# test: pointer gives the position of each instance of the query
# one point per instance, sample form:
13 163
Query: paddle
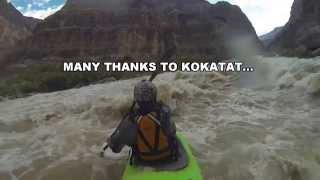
168 54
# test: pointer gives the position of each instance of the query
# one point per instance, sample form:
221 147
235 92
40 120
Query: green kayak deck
190 172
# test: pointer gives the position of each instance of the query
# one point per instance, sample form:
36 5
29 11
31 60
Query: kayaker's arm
125 134
167 121
169 127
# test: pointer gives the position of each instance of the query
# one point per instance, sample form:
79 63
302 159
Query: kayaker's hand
102 154
103 149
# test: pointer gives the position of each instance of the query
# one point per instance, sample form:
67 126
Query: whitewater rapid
263 125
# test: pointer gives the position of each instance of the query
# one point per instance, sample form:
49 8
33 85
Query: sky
38 8
265 15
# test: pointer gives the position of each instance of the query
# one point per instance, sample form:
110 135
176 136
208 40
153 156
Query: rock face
14 27
301 35
268 38
11 14
140 28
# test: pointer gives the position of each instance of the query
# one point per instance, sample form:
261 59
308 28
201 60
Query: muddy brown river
263 125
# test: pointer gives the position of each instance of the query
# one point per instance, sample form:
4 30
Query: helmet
145 91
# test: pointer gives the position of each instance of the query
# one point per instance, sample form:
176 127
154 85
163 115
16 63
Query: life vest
152 142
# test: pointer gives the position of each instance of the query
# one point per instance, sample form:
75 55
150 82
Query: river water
263 125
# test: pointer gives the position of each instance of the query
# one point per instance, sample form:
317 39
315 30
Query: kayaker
148 129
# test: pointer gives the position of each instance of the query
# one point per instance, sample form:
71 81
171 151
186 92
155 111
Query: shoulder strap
145 140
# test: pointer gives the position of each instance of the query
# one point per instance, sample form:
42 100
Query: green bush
50 77
45 78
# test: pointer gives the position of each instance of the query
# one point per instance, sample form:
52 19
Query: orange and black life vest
152 142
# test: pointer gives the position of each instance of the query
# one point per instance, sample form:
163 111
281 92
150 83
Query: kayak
190 172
